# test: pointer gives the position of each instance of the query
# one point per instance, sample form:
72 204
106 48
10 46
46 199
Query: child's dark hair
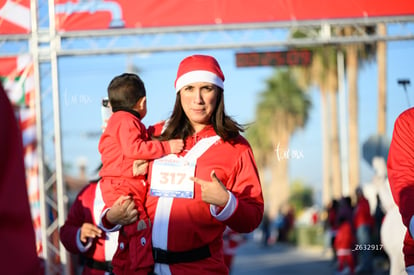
125 90
342 218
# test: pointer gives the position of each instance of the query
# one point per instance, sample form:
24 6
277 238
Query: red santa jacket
186 224
400 166
87 208
17 236
124 140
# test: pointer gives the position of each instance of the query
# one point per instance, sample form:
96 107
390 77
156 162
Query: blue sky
83 83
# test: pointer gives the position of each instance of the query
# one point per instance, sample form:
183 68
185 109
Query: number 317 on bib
171 178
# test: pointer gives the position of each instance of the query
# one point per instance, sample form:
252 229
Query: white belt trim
343 252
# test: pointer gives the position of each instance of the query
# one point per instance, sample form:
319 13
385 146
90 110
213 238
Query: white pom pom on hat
199 68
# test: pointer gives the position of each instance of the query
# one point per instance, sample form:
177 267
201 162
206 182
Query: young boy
124 140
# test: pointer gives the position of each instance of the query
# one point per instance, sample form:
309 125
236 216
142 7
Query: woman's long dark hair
179 126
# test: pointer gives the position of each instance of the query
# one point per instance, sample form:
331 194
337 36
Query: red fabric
82 211
190 222
198 63
408 249
124 140
142 14
314 218
345 241
344 237
401 174
133 259
17 237
362 214
332 218
113 188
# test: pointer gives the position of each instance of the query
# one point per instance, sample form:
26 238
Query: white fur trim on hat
198 76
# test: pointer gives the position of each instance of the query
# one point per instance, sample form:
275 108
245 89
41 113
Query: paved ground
284 259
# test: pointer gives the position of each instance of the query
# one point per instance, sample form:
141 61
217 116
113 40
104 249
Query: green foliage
301 196
327 53
283 106
261 146
285 98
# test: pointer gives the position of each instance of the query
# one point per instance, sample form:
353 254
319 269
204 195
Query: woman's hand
213 192
123 211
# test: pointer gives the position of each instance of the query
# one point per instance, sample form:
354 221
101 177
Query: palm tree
354 54
330 87
322 73
257 134
282 109
382 80
352 77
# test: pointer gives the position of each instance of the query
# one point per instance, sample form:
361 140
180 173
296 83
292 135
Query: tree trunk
280 174
265 185
326 151
335 151
352 73
382 80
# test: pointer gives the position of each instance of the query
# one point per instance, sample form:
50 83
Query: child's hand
140 167
89 230
176 145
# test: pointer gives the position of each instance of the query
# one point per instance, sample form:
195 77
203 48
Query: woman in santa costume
400 167
211 184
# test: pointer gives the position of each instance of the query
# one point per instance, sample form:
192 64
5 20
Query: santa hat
199 68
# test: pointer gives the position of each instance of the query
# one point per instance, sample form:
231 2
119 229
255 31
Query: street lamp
404 83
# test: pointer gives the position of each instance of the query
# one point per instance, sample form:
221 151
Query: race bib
170 177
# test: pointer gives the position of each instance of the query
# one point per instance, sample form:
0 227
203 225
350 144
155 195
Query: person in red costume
17 236
400 167
344 243
81 235
211 184
124 140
